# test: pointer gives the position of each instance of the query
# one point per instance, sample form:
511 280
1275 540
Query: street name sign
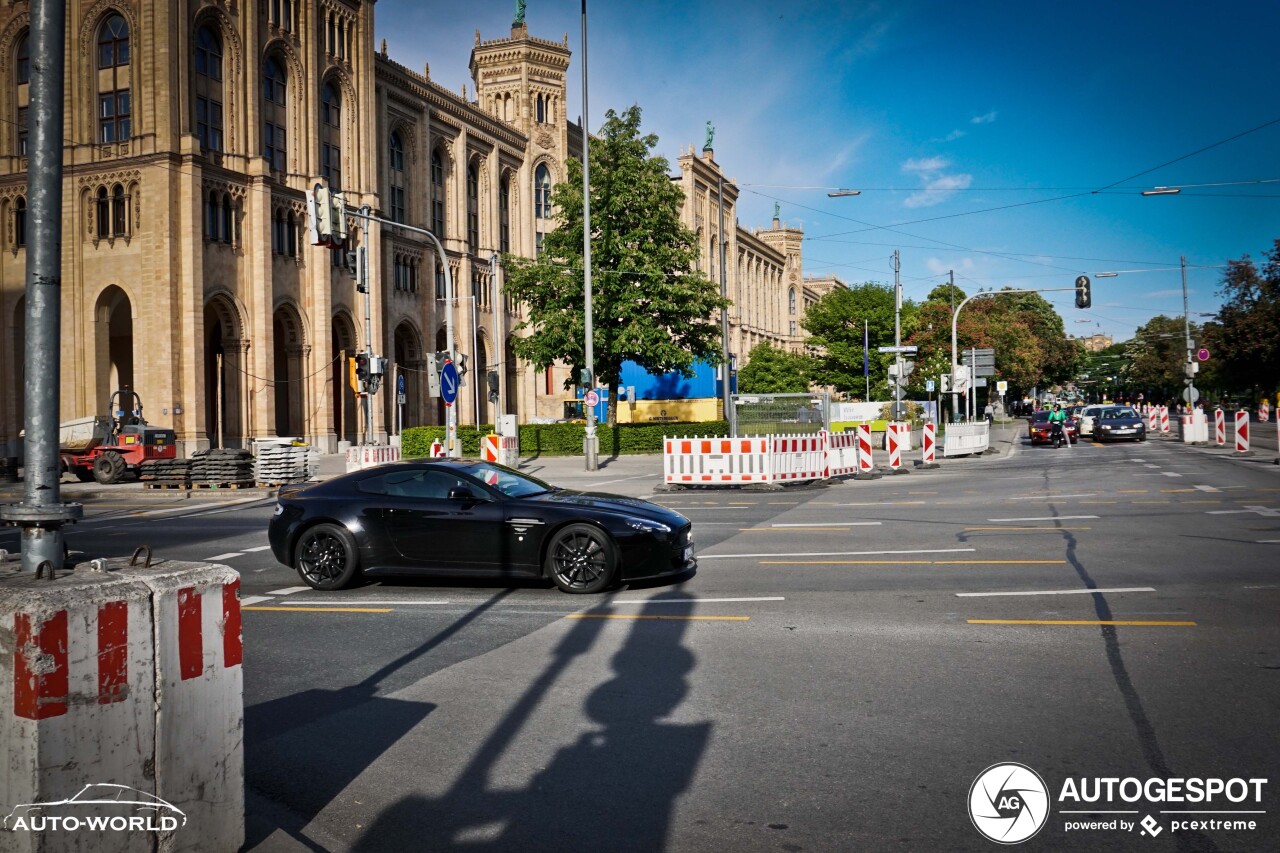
897 349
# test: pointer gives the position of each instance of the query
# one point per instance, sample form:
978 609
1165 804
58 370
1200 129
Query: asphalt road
844 664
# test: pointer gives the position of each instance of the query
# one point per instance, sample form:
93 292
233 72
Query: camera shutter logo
1008 803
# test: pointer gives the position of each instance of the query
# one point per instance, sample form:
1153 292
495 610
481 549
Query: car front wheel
582 559
326 557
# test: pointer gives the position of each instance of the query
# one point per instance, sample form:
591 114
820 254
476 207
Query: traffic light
319 215
353 377
492 378
338 216
460 360
584 377
1083 296
362 366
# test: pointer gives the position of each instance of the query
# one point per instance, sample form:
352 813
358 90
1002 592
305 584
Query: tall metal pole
1186 327
951 398
499 338
897 336
866 337
362 265
726 370
42 513
590 448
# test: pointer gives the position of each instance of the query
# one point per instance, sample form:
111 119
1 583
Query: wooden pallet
153 485
222 485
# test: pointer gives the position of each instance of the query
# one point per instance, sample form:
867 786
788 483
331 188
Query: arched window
473 207
540 106
22 78
395 163
104 213
277 233
119 211
441 284
274 112
331 136
291 237
211 216
437 194
114 103
19 222
791 301
224 229
208 89
504 214
542 192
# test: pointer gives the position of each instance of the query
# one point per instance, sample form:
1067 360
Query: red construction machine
106 448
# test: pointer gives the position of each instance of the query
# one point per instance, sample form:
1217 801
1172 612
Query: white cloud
984 119
953 135
938 185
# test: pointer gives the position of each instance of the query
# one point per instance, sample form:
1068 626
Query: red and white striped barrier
895 447
1219 427
1153 419
437 450
928 444
1164 419
801 457
131 677
1242 431
503 449
865 463
368 455
842 453
715 460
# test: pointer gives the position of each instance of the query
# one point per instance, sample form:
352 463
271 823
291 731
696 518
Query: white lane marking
254 599
834 553
225 556
621 479
831 524
1053 497
1171 473
1264 586
1153 466
1269 512
289 590
1046 518
258 548
1059 591
1268 541
1206 488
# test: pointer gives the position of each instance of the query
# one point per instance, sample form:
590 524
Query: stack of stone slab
222 467
279 463
167 472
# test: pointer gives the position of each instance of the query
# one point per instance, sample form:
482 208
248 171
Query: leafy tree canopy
774 371
1244 341
835 324
650 305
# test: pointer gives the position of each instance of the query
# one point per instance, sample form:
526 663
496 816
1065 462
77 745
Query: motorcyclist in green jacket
1058 422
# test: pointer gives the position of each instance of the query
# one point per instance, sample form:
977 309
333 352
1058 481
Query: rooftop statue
520 5
711 135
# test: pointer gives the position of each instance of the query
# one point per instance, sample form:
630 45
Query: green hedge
564 439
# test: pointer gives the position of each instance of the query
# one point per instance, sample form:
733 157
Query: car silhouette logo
85 810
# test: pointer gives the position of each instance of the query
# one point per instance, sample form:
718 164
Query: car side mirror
462 493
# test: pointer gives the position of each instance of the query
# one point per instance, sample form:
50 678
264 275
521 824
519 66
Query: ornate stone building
193 130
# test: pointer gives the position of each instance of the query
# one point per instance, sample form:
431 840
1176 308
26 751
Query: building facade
194 129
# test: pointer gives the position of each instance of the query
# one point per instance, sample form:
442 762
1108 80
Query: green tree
774 371
1244 340
649 304
1155 356
835 327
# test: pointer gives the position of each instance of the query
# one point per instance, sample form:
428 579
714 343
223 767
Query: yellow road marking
843 528
912 562
1131 492
1095 503
783 503
646 616
323 609
1150 502
1176 491
1078 622
1202 502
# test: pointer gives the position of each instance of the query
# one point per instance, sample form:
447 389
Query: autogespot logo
1008 803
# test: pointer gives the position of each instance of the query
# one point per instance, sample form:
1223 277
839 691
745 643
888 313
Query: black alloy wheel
581 559
326 557
109 468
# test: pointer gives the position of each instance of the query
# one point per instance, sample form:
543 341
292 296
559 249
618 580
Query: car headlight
1106 426
279 509
645 526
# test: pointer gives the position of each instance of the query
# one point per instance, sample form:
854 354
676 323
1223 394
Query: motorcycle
1058 434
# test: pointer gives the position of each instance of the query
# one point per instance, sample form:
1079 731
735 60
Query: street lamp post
590 448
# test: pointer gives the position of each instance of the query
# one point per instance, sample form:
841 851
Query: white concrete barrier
368 455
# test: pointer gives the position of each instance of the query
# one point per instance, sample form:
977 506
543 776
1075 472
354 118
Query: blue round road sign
449 382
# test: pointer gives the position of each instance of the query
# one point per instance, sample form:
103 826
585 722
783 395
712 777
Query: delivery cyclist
1058 423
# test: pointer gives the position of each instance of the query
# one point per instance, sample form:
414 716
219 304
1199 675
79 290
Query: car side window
430 485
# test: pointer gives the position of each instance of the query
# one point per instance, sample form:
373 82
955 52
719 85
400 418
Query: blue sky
938 112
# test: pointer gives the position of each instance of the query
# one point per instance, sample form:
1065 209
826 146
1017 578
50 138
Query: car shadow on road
334 734
614 787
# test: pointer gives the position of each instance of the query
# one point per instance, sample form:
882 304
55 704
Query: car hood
1121 422
635 507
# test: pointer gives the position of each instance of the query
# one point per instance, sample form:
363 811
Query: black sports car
468 518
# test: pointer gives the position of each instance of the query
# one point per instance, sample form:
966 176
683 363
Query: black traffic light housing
1084 298
362 366
584 377
492 378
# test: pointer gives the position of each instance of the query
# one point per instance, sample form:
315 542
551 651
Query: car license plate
688 553
1124 429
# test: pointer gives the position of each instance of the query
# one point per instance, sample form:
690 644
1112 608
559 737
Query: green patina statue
776 209
520 4
711 135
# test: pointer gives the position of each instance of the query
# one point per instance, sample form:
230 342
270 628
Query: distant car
1038 428
1116 423
1086 418
469 518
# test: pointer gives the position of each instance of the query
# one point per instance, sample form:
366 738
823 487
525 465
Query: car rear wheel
582 559
326 557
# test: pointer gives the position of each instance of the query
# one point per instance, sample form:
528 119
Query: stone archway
345 402
225 347
409 363
113 345
289 352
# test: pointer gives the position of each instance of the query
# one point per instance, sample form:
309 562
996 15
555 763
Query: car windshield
506 480
1117 414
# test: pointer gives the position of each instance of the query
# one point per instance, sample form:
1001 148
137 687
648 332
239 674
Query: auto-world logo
100 807
1008 803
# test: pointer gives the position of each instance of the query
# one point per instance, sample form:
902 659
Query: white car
1087 417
